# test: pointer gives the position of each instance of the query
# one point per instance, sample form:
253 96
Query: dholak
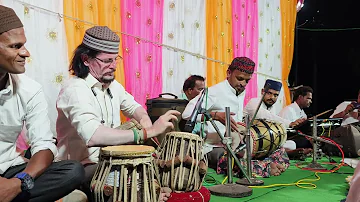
132 174
266 137
180 160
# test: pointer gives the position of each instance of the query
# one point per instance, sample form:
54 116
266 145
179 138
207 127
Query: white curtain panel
184 28
46 42
270 46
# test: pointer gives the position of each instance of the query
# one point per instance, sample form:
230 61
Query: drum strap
271 132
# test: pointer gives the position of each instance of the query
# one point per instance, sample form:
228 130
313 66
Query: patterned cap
101 38
243 64
8 19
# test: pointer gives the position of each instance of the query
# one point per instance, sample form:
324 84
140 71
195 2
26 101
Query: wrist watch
27 182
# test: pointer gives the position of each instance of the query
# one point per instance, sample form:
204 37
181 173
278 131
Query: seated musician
192 87
295 111
349 112
278 161
228 93
89 105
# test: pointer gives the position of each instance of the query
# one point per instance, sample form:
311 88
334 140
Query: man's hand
9 189
297 123
349 108
163 124
220 116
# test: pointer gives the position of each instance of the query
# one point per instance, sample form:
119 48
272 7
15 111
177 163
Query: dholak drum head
128 150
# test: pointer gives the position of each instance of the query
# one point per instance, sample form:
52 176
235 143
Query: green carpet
330 188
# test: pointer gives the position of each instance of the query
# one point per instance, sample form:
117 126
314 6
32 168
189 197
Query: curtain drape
184 28
246 35
219 38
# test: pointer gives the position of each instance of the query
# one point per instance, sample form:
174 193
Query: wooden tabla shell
266 137
181 163
125 163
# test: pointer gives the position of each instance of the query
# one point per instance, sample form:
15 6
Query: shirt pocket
9 134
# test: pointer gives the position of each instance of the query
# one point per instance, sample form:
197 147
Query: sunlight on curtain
288 19
246 37
219 43
270 46
143 60
184 28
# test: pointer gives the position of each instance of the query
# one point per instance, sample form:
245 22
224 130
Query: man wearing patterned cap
22 103
89 104
228 93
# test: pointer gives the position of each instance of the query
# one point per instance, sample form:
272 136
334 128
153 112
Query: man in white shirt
267 112
228 93
295 111
89 105
22 103
348 111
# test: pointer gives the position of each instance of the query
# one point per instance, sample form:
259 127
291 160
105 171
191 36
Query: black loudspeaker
349 137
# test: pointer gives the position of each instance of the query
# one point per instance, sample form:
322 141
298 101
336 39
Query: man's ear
84 59
262 91
228 72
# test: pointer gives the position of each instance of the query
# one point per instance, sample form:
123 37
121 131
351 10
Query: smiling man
23 103
89 105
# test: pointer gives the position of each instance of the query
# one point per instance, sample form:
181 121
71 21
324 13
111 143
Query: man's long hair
77 66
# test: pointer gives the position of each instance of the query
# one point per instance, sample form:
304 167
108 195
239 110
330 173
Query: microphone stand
251 181
230 189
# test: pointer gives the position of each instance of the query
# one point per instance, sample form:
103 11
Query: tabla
181 163
266 137
133 174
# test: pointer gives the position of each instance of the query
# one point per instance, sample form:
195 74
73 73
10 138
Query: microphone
190 124
109 92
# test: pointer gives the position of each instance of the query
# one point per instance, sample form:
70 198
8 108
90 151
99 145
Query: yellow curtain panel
219 44
288 18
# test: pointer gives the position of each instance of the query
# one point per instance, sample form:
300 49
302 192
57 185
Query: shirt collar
231 88
297 106
92 82
9 89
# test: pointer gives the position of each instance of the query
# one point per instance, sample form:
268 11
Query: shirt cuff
44 145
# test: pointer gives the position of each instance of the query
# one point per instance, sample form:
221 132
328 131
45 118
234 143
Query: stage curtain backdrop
184 28
288 20
246 37
219 45
270 46
142 60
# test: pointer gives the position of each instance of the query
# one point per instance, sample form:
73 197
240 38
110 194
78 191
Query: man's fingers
173 112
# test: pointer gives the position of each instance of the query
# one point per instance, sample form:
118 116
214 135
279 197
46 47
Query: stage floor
330 188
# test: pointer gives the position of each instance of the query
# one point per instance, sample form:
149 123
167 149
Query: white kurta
219 96
292 112
349 118
267 113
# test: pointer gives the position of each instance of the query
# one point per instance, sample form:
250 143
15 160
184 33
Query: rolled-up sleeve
38 124
76 106
128 105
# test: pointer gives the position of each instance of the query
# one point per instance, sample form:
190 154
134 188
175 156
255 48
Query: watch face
29 182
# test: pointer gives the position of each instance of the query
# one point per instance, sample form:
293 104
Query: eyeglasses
110 60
